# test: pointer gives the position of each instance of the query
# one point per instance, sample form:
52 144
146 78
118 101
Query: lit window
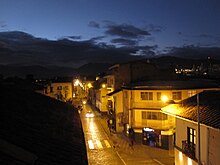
146 95
177 95
191 93
154 116
191 135
158 96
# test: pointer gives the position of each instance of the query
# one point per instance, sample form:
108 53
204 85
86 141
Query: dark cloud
97 38
74 37
148 51
126 31
154 28
94 24
125 42
94 40
192 51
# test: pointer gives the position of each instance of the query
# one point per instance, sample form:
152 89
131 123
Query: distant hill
91 69
22 54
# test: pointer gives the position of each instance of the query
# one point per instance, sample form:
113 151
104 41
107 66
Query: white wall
214 147
181 134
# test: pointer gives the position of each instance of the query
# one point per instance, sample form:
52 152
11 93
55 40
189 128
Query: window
158 96
66 88
146 95
153 116
177 95
191 93
59 88
191 135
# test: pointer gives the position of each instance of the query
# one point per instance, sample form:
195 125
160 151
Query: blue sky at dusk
155 23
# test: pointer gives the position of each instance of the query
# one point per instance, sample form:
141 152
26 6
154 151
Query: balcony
188 149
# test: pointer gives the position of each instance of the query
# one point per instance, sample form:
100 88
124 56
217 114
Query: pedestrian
131 136
109 125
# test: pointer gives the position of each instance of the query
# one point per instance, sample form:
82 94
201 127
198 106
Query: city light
89 85
103 85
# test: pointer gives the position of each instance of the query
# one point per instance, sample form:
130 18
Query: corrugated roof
46 129
209 106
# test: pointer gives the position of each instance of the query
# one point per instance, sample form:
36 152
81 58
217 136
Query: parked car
90 114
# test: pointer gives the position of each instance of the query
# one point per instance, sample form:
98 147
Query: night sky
156 23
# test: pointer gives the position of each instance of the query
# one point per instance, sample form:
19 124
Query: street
104 147
99 149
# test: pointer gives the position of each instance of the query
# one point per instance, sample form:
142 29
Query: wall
63 91
119 110
214 147
181 134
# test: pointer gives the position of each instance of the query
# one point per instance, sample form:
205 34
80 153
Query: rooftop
36 129
209 106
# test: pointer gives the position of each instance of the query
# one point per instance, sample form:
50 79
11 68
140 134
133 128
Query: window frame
191 135
177 95
146 96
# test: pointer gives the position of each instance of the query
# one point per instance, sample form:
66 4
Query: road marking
99 144
120 157
107 144
158 162
91 145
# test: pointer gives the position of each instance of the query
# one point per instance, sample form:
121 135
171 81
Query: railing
188 149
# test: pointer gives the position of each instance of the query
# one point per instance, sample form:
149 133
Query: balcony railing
188 149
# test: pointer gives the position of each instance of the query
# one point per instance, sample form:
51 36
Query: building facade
197 129
139 106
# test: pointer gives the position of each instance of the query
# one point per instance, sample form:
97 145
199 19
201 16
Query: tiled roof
38 129
209 106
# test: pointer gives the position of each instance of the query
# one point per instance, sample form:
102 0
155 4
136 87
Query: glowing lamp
164 98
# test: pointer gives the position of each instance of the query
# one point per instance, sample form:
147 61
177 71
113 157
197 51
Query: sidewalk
139 153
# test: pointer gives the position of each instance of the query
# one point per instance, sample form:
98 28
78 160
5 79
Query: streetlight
103 85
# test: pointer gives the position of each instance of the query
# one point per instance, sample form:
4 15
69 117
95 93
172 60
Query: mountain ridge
22 54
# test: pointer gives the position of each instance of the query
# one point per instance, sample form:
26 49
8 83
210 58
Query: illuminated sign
148 129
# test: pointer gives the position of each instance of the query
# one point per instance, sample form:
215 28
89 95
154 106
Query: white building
139 106
189 133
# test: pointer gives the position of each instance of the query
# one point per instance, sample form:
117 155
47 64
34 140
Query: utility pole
198 113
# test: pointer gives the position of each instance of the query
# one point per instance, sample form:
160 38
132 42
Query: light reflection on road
99 149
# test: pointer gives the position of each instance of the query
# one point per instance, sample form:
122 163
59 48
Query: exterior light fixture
103 85
164 98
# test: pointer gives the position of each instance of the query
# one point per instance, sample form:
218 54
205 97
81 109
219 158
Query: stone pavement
139 153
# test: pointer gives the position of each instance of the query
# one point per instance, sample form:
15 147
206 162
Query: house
61 89
125 73
139 104
119 75
97 95
197 128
